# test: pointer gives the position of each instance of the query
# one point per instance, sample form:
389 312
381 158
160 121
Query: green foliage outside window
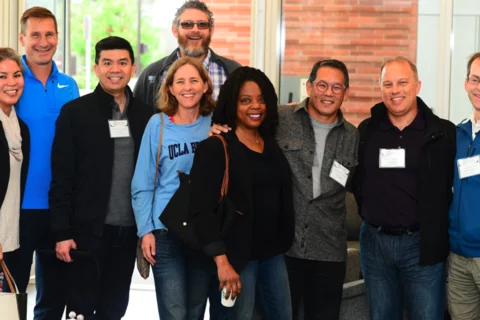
112 17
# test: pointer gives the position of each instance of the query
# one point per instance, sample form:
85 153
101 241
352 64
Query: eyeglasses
322 86
202 25
473 81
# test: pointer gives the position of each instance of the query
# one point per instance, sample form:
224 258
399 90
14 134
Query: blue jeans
264 282
170 277
202 282
394 280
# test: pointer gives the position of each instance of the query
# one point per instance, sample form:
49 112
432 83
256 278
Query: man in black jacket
403 187
193 26
94 153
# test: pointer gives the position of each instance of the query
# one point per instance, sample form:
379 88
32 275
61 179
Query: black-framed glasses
473 81
202 25
322 86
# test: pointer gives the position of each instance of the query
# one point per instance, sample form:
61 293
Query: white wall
464 42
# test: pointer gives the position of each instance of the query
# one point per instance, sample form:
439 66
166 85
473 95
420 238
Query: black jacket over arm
5 159
82 162
206 180
437 157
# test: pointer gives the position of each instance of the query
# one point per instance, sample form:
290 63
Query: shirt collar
475 126
304 106
418 123
28 71
116 107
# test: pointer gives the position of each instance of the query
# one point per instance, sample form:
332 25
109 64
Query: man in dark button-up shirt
403 186
400 206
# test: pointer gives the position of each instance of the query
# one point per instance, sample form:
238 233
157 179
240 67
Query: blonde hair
167 102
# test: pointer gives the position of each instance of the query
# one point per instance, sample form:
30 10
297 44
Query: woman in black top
249 258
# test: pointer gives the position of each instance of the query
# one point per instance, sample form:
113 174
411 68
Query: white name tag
339 173
468 167
392 158
118 128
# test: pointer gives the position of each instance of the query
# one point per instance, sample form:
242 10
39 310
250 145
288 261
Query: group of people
86 177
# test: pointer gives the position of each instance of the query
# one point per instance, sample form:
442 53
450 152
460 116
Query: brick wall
361 33
232 28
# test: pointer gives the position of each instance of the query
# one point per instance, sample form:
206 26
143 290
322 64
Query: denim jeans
395 281
264 284
35 235
202 282
170 277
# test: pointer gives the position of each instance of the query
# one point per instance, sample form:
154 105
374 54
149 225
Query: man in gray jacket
321 147
193 26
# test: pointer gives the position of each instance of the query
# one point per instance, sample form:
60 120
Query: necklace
255 138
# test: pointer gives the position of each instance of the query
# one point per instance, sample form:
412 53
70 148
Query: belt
394 231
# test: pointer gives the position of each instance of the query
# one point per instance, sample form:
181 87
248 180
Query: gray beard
194 53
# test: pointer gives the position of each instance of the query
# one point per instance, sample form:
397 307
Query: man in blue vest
46 91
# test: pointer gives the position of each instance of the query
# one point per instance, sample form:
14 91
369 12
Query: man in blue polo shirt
46 91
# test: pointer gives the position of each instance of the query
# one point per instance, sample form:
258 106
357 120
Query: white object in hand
72 315
227 302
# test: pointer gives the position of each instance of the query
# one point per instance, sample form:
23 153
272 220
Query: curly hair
193 4
167 102
226 109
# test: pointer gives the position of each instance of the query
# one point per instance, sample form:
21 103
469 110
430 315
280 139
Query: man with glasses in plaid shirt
193 26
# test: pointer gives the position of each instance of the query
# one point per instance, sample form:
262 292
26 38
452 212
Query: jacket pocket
288 145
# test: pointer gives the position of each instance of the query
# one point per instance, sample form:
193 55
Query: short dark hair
226 109
331 63
113 43
197 5
39 13
474 57
166 101
10 54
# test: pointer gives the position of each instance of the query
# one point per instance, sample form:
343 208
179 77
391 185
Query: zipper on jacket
460 200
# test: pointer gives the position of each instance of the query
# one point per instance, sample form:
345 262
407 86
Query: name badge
468 167
392 158
339 173
118 128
